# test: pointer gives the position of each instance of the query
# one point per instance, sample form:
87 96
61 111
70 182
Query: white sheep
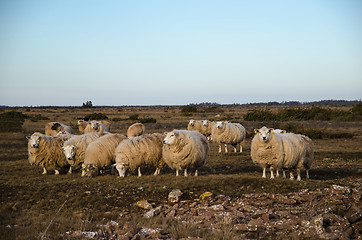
53 128
144 150
135 130
183 149
309 154
206 128
45 151
74 148
101 153
228 133
278 151
96 126
82 124
194 125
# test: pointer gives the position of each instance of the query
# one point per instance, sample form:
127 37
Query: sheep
53 128
183 149
194 125
82 124
206 128
228 133
74 148
309 154
139 151
135 130
279 151
45 151
101 153
96 126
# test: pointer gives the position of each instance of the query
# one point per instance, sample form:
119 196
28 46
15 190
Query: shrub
148 120
357 109
188 109
12 121
95 116
259 116
133 117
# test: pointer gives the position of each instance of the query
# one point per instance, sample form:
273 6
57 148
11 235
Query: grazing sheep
53 128
228 133
277 151
100 153
96 126
183 149
74 148
135 130
45 151
309 154
144 150
82 124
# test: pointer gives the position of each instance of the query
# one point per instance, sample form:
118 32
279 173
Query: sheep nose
164 141
264 138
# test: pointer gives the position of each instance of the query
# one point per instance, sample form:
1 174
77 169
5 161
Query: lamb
101 153
53 128
74 148
45 151
135 130
228 133
183 149
96 126
279 151
144 150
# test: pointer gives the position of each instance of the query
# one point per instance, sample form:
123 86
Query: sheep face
34 141
95 125
220 124
264 134
80 122
170 138
91 170
121 168
192 122
69 152
205 122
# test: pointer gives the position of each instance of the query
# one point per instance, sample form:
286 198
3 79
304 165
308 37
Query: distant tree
88 104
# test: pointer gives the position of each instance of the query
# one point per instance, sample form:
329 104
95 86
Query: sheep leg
235 150
291 175
185 172
177 173
307 173
219 148
271 173
196 173
226 148
156 172
299 177
56 172
284 176
44 171
139 172
277 173
241 148
70 170
264 172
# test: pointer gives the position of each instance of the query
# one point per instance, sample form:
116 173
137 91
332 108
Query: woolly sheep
53 128
82 124
228 133
74 148
45 151
277 151
96 126
135 130
183 149
206 128
194 125
144 150
100 153
309 154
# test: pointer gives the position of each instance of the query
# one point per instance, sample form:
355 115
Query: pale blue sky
136 52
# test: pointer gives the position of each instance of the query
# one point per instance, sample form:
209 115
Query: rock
153 212
174 195
353 214
144 204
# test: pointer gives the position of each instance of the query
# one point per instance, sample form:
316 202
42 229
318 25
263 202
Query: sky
161 52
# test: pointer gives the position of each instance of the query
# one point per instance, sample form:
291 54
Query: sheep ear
271 130
27 137
284 131
62 148
255 131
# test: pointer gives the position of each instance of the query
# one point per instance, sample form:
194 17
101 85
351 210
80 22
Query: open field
67 206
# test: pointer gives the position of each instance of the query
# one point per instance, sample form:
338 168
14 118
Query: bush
133 117
148 120
95 116
357 109
187 110
12 121
259 116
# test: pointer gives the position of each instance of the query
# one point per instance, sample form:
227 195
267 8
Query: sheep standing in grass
207 128
228 133
278 151
183 149
74 148
96 126
45 151
101 153
53 128
309 154
194 125
144 150
135 130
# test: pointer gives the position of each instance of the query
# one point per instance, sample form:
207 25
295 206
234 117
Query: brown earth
242 206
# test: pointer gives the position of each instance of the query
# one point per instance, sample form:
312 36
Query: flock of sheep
98 149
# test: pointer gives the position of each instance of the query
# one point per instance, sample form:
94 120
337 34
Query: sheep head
264 133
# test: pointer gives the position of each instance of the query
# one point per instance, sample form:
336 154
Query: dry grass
30 201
